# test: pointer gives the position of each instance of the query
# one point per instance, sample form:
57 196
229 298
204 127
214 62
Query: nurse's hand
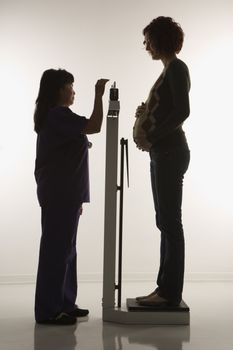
100 86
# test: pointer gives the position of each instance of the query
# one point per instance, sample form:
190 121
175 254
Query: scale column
110 218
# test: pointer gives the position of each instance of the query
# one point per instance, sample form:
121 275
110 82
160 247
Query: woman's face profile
66 95
150 48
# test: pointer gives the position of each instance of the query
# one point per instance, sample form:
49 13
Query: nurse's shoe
79 312
63 319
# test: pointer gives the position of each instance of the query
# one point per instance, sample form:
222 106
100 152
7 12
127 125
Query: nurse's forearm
97 114
95 122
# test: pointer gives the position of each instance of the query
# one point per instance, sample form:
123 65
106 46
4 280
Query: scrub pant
167 173
56 286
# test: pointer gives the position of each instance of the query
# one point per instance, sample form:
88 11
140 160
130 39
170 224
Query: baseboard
17 279
189 277
127 277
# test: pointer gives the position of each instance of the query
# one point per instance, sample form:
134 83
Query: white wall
95 39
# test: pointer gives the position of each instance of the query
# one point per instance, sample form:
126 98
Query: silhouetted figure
62 178
158 130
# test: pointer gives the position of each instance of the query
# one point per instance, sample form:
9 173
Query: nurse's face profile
66 95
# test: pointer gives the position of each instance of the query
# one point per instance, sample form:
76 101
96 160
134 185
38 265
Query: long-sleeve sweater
168 107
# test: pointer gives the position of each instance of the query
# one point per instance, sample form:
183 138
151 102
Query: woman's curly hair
165 35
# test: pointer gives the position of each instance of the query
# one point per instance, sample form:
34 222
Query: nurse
61 173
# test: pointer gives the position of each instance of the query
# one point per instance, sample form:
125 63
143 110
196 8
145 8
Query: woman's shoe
147 296
63 319
79 312
154 300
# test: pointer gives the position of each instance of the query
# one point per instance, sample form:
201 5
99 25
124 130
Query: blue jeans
56 286
167 173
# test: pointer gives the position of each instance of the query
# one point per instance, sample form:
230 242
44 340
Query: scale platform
132 305
134 313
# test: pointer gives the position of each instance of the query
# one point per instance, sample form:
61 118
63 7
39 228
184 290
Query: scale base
132 305
136 314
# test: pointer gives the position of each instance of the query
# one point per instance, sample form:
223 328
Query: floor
211 325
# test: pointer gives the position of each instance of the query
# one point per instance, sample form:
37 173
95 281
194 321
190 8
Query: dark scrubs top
61 169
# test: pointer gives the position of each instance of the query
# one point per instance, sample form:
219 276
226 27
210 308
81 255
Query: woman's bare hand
140 109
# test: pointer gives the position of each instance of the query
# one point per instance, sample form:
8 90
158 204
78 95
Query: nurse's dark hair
165 35
51 82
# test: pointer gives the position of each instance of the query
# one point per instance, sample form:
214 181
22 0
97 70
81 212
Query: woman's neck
167 60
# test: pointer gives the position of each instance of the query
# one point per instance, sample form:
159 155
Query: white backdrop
102 38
